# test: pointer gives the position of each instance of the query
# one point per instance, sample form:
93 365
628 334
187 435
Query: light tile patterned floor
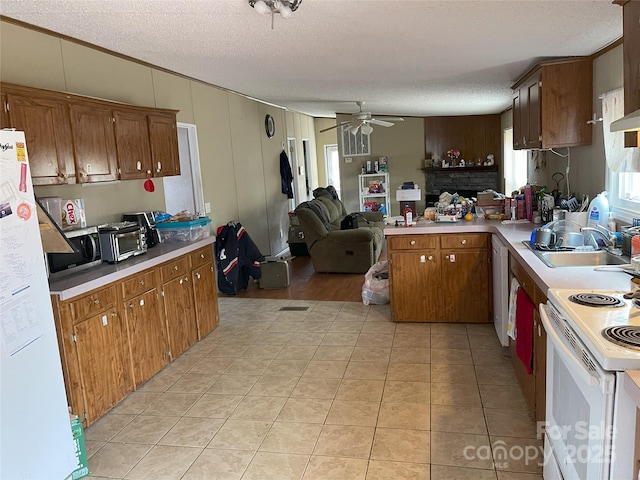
334 392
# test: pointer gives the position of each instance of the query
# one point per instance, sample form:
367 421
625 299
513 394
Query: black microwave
86 244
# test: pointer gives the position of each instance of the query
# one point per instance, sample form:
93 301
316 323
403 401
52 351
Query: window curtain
619 159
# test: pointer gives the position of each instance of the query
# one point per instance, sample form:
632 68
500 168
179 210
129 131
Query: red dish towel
524 329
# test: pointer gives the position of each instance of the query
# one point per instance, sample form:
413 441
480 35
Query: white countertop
87 280
512 236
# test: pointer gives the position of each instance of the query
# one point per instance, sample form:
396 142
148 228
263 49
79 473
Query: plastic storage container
174 232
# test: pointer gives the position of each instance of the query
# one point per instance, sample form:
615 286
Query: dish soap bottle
408 215
599 211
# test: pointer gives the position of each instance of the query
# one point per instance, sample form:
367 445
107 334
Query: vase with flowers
453 155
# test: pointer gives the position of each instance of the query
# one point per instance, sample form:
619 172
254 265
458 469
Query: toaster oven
121 240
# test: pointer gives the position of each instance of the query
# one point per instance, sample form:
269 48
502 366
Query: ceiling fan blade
382 123
341 124
390 119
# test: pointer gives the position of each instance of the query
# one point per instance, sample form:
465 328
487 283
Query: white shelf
366 196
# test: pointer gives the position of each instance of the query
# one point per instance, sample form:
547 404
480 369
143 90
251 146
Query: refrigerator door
35 431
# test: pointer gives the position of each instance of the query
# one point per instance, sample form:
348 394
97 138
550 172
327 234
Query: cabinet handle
159 167
198 276
114 314
430 258
181 281
83 174
130 305
463 242
202 256
62 175
96 301
412 242
186 279
142 282
175 268
446 257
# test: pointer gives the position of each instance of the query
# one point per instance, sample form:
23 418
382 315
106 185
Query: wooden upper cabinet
163 135
631 53
45 123
552 104
94 143
132 142
4 112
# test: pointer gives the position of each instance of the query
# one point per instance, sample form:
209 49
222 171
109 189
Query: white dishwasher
500 267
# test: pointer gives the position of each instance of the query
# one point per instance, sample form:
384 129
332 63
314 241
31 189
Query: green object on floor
82 469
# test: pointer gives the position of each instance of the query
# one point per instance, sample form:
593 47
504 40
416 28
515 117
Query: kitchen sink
572 258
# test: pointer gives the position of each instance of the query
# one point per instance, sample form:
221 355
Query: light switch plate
207 207
348 160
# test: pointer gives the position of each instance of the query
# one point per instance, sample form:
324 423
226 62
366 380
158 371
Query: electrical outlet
348 160
207 207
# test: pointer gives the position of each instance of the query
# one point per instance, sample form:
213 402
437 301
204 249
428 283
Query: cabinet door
206 299
533 119
414 282
99 346
518 135
132 143
465 286
94 143
179 314
540 366
147 335
163 136
45 122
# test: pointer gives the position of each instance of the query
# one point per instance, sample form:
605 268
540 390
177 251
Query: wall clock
269 126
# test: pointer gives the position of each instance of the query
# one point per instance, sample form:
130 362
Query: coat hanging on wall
286 175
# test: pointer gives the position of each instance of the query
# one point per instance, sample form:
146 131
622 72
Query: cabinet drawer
95 302
412 242
202 256
138 284
464 240
175 268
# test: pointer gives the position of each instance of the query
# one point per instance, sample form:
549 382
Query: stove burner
596 300
625 336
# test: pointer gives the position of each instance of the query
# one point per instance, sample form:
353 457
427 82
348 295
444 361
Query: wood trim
607 48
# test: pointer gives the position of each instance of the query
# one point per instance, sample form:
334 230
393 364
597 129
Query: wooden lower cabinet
433 277
100 355
147 335
533 385
116 337
206 301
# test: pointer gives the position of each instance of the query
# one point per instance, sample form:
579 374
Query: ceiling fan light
354 130
366 129
261 7
285 11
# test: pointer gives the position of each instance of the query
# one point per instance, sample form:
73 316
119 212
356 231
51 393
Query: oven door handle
591 379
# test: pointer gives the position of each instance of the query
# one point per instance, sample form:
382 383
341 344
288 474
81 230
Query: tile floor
335 392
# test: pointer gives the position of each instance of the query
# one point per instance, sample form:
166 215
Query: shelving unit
365 181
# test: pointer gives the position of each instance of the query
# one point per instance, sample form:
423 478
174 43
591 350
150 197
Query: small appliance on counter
147 221
121 240
86 243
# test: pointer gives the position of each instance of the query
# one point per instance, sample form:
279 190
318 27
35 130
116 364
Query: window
624 195
354 145
515 164
332 165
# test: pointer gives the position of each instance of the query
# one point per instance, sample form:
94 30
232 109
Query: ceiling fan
363 121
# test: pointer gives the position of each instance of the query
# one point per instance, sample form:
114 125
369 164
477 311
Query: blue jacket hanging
286 175
237 258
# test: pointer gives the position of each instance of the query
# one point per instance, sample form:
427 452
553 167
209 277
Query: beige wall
322 139
239 164
403 145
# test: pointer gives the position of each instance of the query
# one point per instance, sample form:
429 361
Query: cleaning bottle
408 215
599 211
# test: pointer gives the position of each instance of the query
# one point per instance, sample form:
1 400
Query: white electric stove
592 337
607 323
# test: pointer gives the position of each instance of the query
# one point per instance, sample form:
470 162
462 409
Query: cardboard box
487 200
409 194
73 215
82 469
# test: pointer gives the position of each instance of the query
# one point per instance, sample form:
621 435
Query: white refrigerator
35 433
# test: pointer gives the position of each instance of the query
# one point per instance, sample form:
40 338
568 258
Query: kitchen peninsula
119 324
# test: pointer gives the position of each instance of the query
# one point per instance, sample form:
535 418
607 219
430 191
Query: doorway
308 182
184 192
332 166
295 169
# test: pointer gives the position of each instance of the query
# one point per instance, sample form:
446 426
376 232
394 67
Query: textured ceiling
417 57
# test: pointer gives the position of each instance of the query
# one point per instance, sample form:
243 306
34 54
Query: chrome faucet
606 235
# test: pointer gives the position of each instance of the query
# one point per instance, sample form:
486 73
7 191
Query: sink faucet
605 234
